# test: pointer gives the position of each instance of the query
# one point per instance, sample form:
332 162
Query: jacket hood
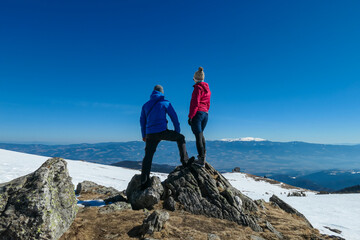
156 95
204 86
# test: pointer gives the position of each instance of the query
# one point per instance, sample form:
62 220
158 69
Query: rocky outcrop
287 208
91 187
90 190
205 191
41 205
147 198
155 222
198 190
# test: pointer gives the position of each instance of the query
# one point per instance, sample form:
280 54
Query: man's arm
143 123
174 118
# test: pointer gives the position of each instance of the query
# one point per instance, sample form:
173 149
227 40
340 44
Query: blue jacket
155 121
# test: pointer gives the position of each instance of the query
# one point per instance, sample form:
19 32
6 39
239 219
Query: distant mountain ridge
244 139
326 180
296 163
353 189
251 156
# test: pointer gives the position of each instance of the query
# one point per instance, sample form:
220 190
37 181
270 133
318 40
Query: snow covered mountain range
301 164
265 157
339 211
244 139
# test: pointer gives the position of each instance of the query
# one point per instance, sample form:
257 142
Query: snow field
340 211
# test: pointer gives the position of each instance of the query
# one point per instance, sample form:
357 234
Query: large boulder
41 205
205 191
147 198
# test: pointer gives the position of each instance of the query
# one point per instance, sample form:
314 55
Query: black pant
200 144
152 141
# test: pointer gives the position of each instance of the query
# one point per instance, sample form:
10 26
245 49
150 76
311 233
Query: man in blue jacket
154 129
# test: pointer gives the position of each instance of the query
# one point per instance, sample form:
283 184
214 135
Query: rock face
287 208
205 191
147 198
41 205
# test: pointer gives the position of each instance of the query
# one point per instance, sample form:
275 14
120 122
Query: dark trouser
152 141
198 124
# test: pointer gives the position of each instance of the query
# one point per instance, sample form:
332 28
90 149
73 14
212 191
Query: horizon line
229 140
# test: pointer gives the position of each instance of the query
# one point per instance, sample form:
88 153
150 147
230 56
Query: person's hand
144 139
189 121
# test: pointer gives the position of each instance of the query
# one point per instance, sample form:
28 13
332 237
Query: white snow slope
340 211
15 164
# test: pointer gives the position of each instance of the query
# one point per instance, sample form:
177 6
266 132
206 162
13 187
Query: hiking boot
188 162
200 161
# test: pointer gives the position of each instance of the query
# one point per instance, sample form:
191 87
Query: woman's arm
195 100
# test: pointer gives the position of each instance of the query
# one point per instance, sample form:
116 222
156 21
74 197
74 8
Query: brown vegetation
91 224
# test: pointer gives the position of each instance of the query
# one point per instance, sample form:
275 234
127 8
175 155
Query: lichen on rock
40 205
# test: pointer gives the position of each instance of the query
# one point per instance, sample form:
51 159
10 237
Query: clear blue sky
79 71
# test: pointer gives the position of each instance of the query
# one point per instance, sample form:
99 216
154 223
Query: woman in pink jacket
198 116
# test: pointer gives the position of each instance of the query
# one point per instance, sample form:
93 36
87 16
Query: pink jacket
200 99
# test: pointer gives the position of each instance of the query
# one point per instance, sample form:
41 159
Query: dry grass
122 225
